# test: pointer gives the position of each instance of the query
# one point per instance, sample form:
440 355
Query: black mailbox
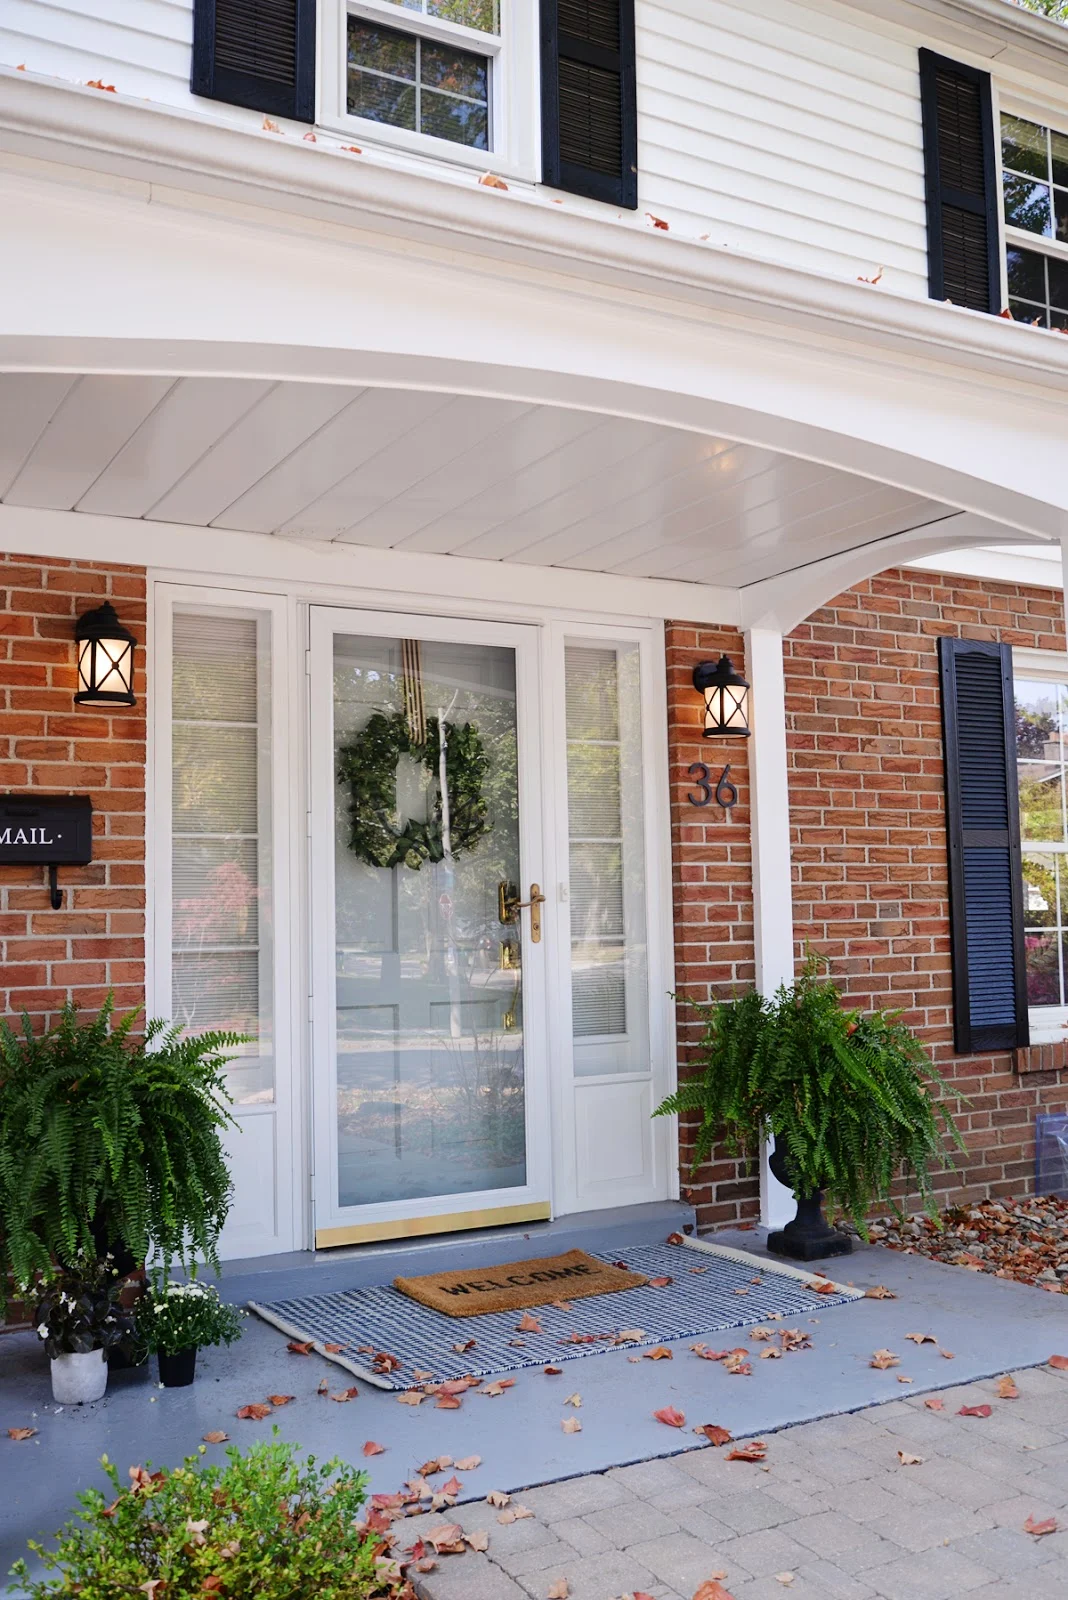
56 830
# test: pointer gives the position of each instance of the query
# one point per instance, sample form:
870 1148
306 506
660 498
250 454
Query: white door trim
333 1224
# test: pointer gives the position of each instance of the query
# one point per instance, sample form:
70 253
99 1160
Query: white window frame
513 86
1047 1023
1020 238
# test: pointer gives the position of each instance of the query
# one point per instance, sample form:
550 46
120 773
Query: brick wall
712 891
868 830
50 745
868 843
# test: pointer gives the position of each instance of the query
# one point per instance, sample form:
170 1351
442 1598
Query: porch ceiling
430 472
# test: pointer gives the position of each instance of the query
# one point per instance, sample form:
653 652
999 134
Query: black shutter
256 53
983 827
589 118
963 239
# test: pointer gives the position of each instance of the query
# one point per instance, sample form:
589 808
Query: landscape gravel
1025 1240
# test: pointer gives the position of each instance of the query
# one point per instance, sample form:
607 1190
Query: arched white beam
780 603
160 289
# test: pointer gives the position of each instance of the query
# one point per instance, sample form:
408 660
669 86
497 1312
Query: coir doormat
687 1293
519 1285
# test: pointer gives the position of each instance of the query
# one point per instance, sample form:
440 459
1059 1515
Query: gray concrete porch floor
991 1327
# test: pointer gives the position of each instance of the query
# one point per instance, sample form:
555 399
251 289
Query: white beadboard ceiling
450 474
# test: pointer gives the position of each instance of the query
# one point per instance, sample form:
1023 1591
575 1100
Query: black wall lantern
726 697
105 659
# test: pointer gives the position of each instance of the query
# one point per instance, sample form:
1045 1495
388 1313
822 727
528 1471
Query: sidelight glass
429 992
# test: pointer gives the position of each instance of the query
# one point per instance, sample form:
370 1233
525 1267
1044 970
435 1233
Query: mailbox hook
55 893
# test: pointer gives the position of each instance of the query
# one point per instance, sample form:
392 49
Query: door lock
509 906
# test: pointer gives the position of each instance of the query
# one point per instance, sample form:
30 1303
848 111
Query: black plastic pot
809 1236
178 1371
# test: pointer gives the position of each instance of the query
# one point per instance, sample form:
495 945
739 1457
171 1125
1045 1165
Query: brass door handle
509 907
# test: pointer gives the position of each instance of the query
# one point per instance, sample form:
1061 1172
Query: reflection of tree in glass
480 14
1026 204
1040 807
1042 957
1035 724
1040 879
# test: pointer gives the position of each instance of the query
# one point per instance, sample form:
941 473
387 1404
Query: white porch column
773 919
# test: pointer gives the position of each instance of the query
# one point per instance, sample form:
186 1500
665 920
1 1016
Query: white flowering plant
172 1317
77 1310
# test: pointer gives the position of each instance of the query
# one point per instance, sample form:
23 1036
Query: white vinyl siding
786 131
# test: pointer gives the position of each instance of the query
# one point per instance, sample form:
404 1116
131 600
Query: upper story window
424 82
452 80
1034 162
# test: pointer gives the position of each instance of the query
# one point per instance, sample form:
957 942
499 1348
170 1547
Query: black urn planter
809 1236
179 1370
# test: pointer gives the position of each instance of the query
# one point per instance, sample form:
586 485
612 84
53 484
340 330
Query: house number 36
724 792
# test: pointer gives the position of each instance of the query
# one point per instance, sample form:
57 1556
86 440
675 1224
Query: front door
429 972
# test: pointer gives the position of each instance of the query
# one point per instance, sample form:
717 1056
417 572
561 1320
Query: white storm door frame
589 1108
405 1216
265 1149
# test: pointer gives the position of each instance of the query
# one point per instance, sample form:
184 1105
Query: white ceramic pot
78 1379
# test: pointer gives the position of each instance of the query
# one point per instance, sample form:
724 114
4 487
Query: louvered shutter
983 827
588 108
256 53
963 248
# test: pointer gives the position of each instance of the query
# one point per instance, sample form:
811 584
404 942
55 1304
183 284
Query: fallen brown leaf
630 1336
1060 1362
772 1353
879 1291
479 1540
344 1395
216 1436
528 1324
324 1387
254 1413
497 1497
573 1400
659 1352
714 1433
281 1399
785 1578
300 1347
449 1540
558 1590
712 1590
883 1359
935 1403
464 1346
468 1464
947 1355
909 1460
660 1283
1040 1528
97 83
974 1411
334 1349
922 1338
490 180
737 1365
571 1425
657 222
670 1417
756 1450
447 1402
821 1286
410 1397
1007 1389
673 1238
552 1372
372 1449
453 1486
18 1434
514 1514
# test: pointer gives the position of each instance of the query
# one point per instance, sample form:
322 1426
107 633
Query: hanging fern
846 1095
103 1130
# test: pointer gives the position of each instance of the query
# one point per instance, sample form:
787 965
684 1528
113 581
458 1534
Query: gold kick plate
509 906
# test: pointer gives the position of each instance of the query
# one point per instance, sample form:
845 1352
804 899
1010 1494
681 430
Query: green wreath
368 767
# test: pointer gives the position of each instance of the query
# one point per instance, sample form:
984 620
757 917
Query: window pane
1041 900
220 823
1023 146
607 890
1027 274
459 120
1042 956
382 49
1060 214
455 71
381 100
1022 312
480 14
1060 157
1039 758
1027 204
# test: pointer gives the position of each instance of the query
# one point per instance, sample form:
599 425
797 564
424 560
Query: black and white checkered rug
712 1289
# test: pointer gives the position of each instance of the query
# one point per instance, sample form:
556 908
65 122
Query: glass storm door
430 1106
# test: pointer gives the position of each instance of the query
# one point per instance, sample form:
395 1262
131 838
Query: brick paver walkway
832 1505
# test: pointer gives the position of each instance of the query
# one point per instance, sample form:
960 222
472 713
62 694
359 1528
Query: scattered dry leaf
479 1540
908 1460
468 1464
571 1425
497 1497
756 1450
334 1349
97 83
216 1436
270 127
657 222
281 1399
737 1364
922 1338
344 1395
784 1577
659 1352
1040 1528
1060 1362
883 1359
18 1434
714 1433
935 1403
410 1397
630 1336
254 1413
821 1286
573 1400
558 1590
353 149
947 1355
670 1417
490 180
673 1238
300 1347
772 1353
448 1540
660 1283
879 1291
528 1324
1007 1389
372 1449
974 1411
711 1590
